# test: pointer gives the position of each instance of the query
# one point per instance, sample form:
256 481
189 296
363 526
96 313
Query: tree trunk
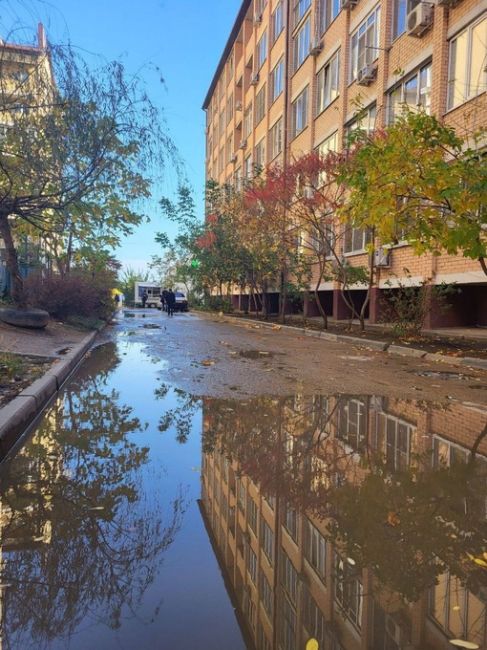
367 296
323 313
17 292
483 264
282 298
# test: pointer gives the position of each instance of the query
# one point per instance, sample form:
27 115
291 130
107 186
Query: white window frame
299 108
326 76
276 136
277 22
302 44
469 93
359 59
421 92
277 80
262 50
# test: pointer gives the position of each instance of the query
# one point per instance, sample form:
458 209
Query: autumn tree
81 147
420 181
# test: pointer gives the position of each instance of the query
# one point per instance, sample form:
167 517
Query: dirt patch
256 354
17 372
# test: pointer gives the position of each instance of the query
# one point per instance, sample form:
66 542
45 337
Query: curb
19 413
381 346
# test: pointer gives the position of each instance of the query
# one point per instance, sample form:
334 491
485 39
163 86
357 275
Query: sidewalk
52 342
459 350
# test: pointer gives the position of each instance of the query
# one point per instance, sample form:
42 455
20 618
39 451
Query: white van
153 291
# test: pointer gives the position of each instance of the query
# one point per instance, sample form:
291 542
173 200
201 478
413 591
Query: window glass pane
458 68
477 59
411 92
400 10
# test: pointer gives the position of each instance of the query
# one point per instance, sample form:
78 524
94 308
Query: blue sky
184 38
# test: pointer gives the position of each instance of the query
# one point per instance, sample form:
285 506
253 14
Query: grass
10 366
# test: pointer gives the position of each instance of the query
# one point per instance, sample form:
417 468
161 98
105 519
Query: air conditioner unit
243 144
233 158
257 19
366 75
397 633
255 79
316 48
420 19
238 106
308 192
382 258
348 4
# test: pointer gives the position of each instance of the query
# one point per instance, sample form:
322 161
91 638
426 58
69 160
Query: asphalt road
206 356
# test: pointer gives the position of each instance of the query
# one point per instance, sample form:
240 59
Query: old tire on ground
33 318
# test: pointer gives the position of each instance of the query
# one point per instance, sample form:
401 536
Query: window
247 126
291 522
458 611
221 124
348 590
248 171
300 113
260 6
229 108
259 154
330 144
327 81
352 422
329 10
221 160
302 44
275 139
252 564
241 496
277 80
229 147
467 74
289 578
267 540
266 595
263 642
313 619
315 549
252 514
365 121
396 434
260 105
365 42
261 50
400 10
277 22
287 630
415 92
237 179
300 8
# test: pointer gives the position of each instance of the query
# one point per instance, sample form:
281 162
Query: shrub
406 307
78 294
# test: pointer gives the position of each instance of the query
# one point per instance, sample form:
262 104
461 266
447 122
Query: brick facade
396 59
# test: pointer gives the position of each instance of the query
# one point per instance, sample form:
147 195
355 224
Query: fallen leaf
276 327
393 519
207 362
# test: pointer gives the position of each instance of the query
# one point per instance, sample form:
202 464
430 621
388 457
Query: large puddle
138 516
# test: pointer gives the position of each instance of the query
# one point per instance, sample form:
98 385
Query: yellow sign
312 645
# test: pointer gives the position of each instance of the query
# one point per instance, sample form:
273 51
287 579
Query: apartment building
290 80
288 579
26 79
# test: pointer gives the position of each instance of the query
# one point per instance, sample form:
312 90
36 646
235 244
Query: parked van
153 291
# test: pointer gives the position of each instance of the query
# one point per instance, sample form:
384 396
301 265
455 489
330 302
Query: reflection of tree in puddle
385 500
77 541
180 417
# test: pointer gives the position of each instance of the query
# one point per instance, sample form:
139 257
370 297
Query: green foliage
407 306
10 365
420 181
127 279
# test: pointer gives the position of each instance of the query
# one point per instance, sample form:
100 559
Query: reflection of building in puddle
333 518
